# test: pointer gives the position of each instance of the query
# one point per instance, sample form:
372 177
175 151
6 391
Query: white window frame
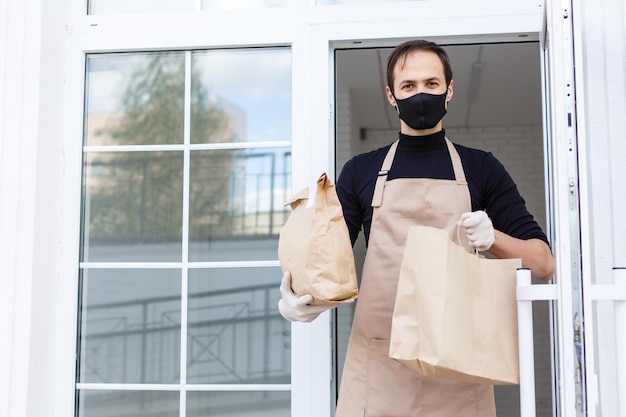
312 33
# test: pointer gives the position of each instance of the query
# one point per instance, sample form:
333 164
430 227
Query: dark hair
403 50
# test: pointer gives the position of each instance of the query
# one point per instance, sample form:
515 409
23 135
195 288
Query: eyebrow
435 78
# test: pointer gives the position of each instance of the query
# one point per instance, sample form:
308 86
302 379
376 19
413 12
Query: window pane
235 332
250 4
321 2
132 206
161 6
139 6
130 326
128 403
135 99
237 203
241 96
238 404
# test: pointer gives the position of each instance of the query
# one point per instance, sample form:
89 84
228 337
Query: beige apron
374 385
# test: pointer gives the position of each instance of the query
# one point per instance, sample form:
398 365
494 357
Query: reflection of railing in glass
234 336
137 197
255 199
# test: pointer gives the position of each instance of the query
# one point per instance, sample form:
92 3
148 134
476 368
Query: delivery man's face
421 72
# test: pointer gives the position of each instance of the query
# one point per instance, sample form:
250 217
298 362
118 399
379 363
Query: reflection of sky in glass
256 81
321 2
104 79
250 4
107 79
161 6
139 6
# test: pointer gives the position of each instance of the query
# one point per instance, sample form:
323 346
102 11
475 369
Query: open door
566 229
496 107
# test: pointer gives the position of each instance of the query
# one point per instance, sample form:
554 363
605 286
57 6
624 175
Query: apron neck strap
377 200
457 166
459 174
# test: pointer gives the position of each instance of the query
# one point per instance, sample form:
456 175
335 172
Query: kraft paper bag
455 314
314 245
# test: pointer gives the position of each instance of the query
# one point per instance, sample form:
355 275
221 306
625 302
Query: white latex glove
295 308
478 229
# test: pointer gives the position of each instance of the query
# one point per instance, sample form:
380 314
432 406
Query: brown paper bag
455 313
314 246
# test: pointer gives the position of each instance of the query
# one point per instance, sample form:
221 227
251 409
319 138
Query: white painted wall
32 44
601 57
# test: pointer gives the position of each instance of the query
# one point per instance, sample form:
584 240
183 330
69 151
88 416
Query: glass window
241 96
236 203
130 326
167 6
238 404
140 6
132 205
236 334
135 99
96 403
323 2
187 160
250 4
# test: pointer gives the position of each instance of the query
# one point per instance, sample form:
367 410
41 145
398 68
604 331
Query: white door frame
328 37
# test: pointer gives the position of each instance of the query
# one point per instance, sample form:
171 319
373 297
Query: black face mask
422 110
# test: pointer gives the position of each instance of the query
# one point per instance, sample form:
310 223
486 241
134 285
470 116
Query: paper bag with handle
455 313
314 245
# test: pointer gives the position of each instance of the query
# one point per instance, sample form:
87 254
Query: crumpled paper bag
314 246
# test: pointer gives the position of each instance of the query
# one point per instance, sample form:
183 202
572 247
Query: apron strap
377 200
459 174
457 166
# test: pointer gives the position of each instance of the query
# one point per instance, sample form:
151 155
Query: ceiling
507 93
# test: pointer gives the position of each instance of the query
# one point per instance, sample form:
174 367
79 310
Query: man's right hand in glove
295 308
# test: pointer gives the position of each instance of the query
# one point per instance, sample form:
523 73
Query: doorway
496 107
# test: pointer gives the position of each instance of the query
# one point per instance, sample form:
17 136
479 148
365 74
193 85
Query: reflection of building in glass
221 122
235 129
136 196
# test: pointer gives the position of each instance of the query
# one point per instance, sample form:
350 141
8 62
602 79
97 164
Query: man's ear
390 96
450 91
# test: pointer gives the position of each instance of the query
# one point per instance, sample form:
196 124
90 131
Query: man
421 179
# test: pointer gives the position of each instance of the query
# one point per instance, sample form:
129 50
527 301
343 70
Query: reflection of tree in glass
154 101
137 196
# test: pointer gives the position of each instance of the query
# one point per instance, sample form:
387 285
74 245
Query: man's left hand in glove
478 229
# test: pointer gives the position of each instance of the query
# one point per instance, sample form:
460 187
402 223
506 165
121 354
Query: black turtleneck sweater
491 187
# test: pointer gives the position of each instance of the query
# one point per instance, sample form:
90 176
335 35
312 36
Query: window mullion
185 236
